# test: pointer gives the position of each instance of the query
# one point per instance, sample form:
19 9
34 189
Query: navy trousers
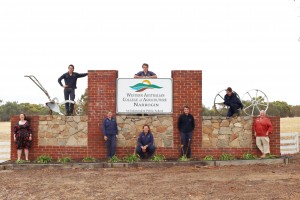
149 151
111 144
232 109
186 140
69 95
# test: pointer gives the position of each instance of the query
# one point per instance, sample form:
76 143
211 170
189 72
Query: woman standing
22 136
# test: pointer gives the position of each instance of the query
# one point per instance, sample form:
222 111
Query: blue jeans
69 95
186 140
111 144
149 151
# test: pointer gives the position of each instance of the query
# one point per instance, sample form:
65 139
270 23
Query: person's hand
255 134
65 86
267 133
30 138
14 139
105 138
144 149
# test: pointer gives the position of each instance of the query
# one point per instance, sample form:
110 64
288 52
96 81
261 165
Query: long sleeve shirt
71 81
262 126
109 127
145 139
186 123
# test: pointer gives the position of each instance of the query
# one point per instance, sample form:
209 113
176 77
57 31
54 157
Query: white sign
137 96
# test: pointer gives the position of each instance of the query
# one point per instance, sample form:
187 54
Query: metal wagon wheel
219 105
254 101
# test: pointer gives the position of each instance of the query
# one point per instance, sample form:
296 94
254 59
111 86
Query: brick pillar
102 90
187 90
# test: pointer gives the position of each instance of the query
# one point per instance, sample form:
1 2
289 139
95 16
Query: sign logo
146 84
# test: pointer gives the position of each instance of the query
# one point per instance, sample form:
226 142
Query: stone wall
131 126
220 132
62 131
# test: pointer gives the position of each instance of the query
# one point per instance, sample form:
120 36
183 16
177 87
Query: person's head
146 128
109 114
229 91
145 67
22 116
186 110
262 113
71 68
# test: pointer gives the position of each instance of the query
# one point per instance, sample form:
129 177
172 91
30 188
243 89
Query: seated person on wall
234 103
145 73
145 143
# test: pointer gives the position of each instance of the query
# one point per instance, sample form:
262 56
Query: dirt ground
231 182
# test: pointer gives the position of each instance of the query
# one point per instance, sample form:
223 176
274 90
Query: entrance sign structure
151 96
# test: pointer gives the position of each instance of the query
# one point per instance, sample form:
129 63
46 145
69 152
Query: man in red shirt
262 129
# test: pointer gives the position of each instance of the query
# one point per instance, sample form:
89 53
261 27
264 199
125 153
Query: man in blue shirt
145 73
70 85
110 132
145 143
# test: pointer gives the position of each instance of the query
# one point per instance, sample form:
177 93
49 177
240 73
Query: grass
158 158
184 159
208 157
89 159
290 125
270 156
64 160
131 158
248 156
114 159
226 156
44 159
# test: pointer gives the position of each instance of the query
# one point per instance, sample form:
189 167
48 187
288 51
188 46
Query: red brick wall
187 90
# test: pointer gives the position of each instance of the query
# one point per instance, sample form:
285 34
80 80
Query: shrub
270 156
226 156
88 159
208 157
64 160
248 156
184 158
44 159
114 159
131 158
158 158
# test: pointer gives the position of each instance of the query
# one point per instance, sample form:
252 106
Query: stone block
224 123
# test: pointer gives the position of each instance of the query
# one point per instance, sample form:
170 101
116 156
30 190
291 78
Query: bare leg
19 151
26 153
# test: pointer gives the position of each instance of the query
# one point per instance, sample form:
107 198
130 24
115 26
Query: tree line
8 109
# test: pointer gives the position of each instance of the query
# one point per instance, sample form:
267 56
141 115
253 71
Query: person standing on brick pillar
69 88
234 103
262 129
186 126
110 132
145 143
145 73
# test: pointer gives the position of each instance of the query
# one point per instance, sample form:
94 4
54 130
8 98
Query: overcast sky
243 44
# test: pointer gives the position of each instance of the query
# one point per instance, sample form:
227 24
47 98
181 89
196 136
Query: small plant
44 159
158 158
64 160
184 158
88 159
209 157
270 156
248 156
131 158
114 159
20 161
226 156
